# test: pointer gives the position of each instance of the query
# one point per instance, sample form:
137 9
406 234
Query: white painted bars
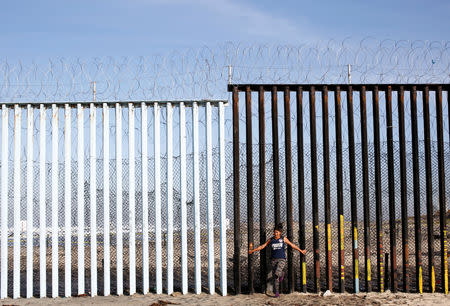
144 176
4 207
184 262
209 188
42 206
157 200
132 199
106 203
93 199
54 201
29 177
56 229
119 243
223 202
16 210
196 174
80 198
67 204
169 200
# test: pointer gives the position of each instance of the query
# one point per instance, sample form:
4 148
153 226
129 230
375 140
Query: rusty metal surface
429 189
236 198
386 275
416 186
249 154
403 186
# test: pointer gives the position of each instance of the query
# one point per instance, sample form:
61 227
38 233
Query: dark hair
278 227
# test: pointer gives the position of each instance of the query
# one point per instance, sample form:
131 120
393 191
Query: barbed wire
199 73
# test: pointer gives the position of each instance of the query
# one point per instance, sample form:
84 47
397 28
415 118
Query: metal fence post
351 147
67 203
54 201
403 185
276 157
119 200
16 207
366 204
340 189
378 199
236 200
442 200
4 205
326 187
429 189
391 178
315 204
416 188
262 187
301 188
249 153
288 162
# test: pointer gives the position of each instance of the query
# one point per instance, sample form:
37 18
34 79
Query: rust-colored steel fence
380 171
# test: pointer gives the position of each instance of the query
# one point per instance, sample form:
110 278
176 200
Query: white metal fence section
99 199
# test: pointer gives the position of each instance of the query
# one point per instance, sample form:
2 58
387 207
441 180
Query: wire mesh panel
97 198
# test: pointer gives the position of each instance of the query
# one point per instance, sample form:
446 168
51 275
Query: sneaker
277 294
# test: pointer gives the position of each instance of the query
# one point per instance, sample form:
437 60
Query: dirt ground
255 299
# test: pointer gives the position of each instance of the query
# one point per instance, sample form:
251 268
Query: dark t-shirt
277 247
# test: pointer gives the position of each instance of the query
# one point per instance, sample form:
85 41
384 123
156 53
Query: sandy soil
256 299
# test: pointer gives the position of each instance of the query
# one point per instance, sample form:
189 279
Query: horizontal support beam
100 103
332 87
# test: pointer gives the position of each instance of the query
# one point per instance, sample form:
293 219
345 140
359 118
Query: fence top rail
100 103
333 87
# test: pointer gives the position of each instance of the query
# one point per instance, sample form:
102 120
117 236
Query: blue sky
50 28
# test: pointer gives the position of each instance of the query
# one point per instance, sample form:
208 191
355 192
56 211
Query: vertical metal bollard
223 208
29 176
365 166
106 204
80 196
340 188
288 162
145 203
301 188
209 179
392 226
416 188
326 188
429 187
157 165
119 195
16 207
4 205
132 196
276 157
378 199
196 174
54 201
93 198
67 203
354 229
403 185
237 217
169 144
442 200
315 204
183 195
249 153
262 187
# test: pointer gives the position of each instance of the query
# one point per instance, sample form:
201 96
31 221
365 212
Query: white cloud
249 19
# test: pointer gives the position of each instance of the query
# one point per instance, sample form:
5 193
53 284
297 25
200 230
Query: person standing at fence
277 245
